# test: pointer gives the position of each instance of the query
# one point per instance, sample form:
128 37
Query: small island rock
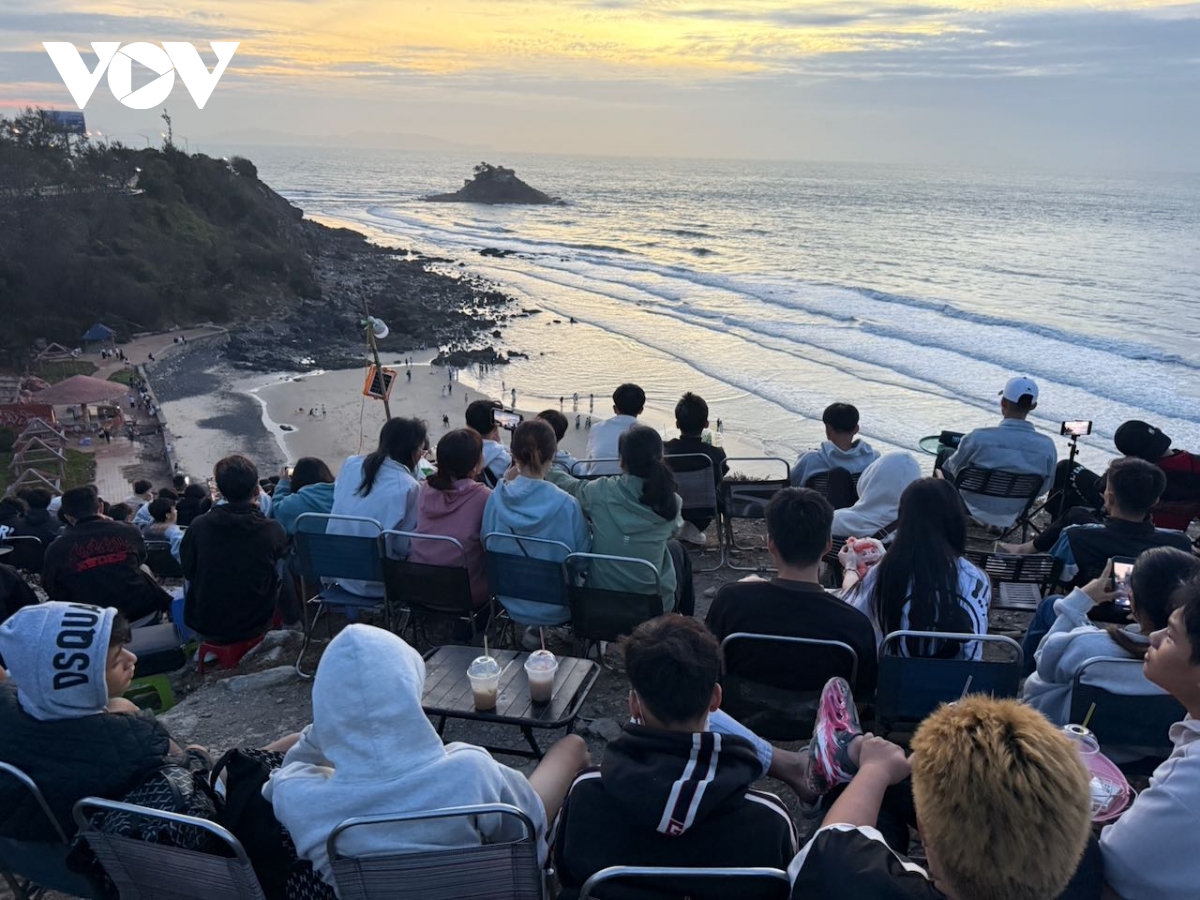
494 184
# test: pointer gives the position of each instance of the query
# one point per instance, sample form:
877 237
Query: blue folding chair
529 573
1124 720
31 867
322 555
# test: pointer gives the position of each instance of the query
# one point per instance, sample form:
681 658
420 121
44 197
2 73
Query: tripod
1072 452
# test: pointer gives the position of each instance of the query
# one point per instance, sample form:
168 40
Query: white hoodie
370 751
1150 852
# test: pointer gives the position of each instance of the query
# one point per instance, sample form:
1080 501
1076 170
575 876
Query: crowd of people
1001 797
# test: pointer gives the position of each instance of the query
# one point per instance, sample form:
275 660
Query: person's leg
788 766
685 594
553 776
1039 626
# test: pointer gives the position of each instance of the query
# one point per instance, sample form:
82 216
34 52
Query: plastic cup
484 675
1085 742
541 667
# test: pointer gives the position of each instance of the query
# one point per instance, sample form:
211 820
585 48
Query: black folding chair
697 488
1003 485
747 498
1018 582
161 562
423 589
1124 720
758 883
27 552
599 614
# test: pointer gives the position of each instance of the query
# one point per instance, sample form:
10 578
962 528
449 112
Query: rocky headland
494 184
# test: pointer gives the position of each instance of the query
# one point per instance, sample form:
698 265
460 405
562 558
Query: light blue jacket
287 507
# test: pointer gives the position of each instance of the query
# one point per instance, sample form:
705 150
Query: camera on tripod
1076 429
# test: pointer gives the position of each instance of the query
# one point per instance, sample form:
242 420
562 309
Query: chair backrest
759 883
820 483
145 871
1041 569
160 560
27 552
582 468
697 485
774 712
1123 720
513 572
352 556
910 688
422 586
998 483
747 498
501 871
598 614
837 543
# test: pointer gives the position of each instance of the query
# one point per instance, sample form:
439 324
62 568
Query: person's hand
511 472
1100 588
885 757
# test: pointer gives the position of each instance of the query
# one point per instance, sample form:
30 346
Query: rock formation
494 184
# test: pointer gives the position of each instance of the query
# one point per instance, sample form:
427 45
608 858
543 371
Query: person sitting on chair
38 522
671 792
481 417
879 490
603 443
307 488
691 418
1012 446
840 456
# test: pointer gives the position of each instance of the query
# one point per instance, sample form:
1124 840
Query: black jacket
104 755
229 558
98 561
664 798
39 523
1092 546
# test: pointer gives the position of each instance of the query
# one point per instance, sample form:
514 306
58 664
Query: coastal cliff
149 239
494 184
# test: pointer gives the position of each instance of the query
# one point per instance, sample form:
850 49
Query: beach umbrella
81 390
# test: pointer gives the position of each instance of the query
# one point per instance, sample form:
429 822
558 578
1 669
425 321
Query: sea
774 288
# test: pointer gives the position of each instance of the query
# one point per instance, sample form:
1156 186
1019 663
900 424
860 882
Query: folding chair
697 488
911 687
161 562
1006 485
714 884
321 555
500 871
1019 582
537 582
27 552
144 871
33 867
746 498
424 589
580 469
820 483
777 713
599 614
1124 720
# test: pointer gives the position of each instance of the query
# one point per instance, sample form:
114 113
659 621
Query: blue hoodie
287 507
530 507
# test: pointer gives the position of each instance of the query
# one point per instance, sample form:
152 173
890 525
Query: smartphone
507 420
1077 429
287 471
1121 570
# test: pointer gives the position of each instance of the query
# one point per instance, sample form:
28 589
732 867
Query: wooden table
448 693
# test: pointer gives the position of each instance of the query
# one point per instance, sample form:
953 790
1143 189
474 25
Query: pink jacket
457 513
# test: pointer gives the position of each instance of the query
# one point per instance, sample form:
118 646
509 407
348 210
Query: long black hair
1157 573
399 439
641 448
309 470
457 454
921 566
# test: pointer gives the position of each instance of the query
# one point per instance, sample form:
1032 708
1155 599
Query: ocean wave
702 251
684 232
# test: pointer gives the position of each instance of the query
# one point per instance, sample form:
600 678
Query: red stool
228 655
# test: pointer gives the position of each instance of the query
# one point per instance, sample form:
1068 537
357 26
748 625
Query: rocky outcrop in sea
494 184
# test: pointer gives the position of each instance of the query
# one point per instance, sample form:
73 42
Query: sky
1045 84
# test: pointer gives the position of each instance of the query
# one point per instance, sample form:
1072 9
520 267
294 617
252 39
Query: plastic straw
542 635
1088 718
485 646
966 687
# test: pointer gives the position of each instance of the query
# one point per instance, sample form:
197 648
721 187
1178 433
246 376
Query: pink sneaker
837 725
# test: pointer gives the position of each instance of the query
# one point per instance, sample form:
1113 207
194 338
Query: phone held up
1122 568
507 420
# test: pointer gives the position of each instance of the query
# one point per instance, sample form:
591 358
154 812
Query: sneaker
837 725
690 534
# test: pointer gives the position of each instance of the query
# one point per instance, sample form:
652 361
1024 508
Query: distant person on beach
636 514
445 421
557 421
307 489
628 402
382 486
1012 446
840 456
691 418
450 503
481 416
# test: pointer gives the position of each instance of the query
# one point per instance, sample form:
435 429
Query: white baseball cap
1018 387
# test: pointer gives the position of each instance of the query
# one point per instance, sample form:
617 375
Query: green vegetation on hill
137 239
80 470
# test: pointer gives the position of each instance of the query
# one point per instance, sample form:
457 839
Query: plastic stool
228 655
152 686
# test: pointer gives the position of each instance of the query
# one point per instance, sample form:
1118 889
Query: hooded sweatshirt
53 723
496 460
287 507
1071 641
456 513
830 456
1150 852
392 502
666 798
531 507
624 526
879 490
371 750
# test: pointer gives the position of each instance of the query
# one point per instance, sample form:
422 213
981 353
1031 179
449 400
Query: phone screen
1122 569
506 420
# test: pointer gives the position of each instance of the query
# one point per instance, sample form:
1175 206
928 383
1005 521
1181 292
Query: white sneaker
690 534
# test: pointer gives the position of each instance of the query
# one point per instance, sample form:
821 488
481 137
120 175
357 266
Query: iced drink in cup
1085 742
541 668
484 674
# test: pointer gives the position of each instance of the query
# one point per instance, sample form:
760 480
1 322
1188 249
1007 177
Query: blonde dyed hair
1003 799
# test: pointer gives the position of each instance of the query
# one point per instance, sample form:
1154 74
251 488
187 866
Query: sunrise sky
1046 83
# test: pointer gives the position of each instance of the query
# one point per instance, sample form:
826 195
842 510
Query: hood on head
58 655
367 715
887 477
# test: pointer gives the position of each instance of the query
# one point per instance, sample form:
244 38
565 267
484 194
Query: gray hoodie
830 456
371 750
58 655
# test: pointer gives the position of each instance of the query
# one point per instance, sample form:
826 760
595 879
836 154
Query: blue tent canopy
99 332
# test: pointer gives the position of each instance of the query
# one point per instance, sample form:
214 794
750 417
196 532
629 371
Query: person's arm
569 483
283 489
1144 848
881 764
959 458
